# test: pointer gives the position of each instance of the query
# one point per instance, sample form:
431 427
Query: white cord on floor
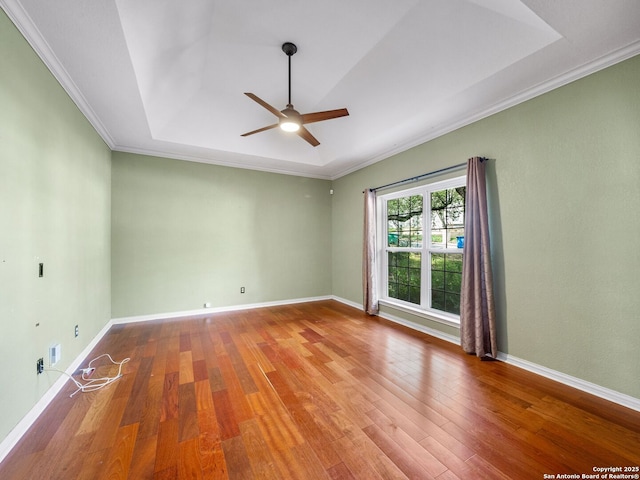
94 383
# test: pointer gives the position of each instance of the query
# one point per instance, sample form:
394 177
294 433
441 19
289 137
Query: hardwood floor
316 391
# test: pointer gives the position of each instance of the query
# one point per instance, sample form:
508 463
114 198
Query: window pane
453 281
438 238
437 280
437 261
404 222
447 218
393 275
414 277
456 238
458 195
403 291
452 303
454 262
416 203
415 235
414 295
393 238
446 280
437 300
392 226
404 277
438 199
438 218
455 216
416 221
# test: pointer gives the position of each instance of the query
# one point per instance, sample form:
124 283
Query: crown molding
27 28
216 161
577 73
30 32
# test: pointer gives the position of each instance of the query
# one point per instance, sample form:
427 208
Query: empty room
320 240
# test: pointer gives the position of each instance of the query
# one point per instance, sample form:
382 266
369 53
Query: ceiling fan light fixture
292 122
289 125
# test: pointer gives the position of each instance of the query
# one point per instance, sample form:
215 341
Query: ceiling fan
289 119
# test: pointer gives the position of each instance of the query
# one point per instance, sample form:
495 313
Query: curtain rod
420 177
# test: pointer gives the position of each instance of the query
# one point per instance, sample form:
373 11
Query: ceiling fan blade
320 116
273 110
259 130
304 133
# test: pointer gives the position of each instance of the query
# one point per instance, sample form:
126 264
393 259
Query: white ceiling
167 78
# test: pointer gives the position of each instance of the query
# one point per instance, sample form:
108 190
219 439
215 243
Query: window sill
450 320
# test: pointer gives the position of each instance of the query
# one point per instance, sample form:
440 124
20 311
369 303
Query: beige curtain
477 310
369 277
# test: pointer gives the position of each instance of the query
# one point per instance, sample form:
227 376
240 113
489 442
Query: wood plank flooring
316 391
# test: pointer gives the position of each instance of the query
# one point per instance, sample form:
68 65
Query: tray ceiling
167 78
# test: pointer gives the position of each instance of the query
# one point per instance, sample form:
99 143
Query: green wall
188 233
564 188
124 235
55 201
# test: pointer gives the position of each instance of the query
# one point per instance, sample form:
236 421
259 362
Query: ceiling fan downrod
289 49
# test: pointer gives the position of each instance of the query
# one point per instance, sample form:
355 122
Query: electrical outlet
54 354
241 289
76 331
40 366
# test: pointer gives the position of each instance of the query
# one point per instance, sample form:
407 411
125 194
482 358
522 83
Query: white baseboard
32 415
588 387
207 311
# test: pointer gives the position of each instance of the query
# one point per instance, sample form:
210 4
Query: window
420 247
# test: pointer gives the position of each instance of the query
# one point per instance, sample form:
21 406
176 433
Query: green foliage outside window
446 280
404 276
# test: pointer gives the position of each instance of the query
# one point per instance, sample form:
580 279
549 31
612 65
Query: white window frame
382 249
